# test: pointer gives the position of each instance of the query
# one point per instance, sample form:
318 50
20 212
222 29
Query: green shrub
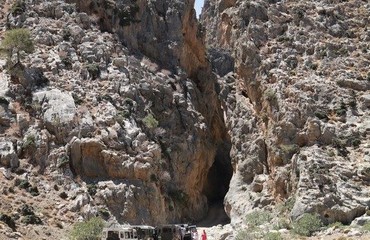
31 219
366 227
127 14
24 184
272 236
91 189
245 235
63 195
342 109
104 213
63 161
18 7
336 225
34 191
179 196
282 223
257 217
94 70
321 115
30 141
8 220
153 177
66 33
15 41
270 95
150 122
88 230
307 224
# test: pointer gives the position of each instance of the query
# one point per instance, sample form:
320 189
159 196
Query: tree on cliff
17 41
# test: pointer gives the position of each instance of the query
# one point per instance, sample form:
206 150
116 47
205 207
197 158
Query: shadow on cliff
216 187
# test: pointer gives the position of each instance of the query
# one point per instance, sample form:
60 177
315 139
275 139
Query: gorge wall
296 105
137 112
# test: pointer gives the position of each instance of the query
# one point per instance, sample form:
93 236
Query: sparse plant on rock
150 121
245 235
257 218
17 41
270 95
366 227
90 229
273 236
307 224
18 7
8 220
94 70
91 189
63 161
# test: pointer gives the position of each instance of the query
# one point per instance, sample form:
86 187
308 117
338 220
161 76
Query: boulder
8 155
58 112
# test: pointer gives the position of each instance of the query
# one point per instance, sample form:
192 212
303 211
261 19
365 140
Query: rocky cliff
296 103
137 112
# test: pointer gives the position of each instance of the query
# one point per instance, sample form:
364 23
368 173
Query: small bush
150 122
30 141
179 196
34 191
153 177
91 189
8 220
66 33
63 161
270 95
245 235
257 218
307 224
366 227
26 210
18 7
90 230
321 115
273 236
63 195
342 109
15 41
336 225
282 224
24 184
104 213
93 70
67 62
31 219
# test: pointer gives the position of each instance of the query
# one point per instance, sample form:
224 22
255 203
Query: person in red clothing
204 235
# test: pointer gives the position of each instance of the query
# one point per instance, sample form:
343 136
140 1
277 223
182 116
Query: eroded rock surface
295 107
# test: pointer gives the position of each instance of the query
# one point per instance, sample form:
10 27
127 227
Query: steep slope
297 107
126 131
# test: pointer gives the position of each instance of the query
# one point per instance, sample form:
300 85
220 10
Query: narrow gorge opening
216 187
198 5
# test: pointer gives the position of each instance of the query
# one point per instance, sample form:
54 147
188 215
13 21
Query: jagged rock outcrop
150 122
300 87
117 112
165 31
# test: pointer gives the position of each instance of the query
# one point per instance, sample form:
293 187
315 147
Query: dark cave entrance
216 187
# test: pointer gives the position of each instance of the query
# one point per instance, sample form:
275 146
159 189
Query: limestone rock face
58 111
134 111
151 122
8 155
166 31
299 89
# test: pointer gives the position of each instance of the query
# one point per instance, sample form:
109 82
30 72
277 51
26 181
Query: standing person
204 235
